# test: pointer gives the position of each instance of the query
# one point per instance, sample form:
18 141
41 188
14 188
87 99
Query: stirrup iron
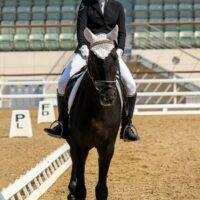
134 130
59 123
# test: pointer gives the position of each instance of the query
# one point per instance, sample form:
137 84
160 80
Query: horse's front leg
77 182
72 183
105 156
73 179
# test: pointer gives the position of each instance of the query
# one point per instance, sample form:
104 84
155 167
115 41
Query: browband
102 42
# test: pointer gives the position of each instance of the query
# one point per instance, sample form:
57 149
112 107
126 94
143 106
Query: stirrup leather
60 124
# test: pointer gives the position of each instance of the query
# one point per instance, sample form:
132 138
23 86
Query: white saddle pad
74 92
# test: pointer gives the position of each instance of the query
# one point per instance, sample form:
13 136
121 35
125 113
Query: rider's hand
119 52
84 51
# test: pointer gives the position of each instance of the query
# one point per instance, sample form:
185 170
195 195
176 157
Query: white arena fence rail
37 181
147 109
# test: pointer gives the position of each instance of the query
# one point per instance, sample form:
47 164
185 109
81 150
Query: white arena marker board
20 124
46 112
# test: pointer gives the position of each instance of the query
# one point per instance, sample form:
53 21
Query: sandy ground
17 155
163 165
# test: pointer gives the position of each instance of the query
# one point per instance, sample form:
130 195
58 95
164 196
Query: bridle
102 42
102 85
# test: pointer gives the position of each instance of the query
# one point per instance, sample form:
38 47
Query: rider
100 16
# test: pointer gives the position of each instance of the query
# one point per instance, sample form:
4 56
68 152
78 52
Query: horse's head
103 64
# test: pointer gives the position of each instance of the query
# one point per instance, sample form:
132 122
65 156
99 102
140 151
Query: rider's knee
131 88
61 86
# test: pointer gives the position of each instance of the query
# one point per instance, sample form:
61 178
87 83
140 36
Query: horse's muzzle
108 97
107 92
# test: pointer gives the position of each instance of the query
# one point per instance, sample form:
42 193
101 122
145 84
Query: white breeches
127 79
73 67
78 62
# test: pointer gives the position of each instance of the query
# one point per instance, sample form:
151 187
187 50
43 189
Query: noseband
101 85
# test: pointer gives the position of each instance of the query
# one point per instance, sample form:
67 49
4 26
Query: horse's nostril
109 99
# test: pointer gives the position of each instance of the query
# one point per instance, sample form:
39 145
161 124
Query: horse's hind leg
105 156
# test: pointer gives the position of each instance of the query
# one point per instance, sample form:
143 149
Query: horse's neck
87 109
88 97
89 92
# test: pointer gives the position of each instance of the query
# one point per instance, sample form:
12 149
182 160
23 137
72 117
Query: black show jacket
91 16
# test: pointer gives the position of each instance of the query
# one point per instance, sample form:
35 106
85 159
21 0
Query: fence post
174 89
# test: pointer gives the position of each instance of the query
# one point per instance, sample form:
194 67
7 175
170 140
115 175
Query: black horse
95 117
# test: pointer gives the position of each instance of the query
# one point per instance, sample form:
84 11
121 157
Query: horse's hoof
70 197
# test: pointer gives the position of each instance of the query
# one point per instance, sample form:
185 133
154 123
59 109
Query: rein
102 85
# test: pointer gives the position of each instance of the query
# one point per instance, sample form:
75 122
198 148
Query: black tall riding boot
127 133
59 131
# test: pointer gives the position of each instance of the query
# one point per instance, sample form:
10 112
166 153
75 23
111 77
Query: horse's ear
113 35
89 36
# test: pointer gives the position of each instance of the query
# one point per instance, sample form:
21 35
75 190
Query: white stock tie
102 5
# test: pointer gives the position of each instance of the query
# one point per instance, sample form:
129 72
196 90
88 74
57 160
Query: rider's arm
122 28
81 24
